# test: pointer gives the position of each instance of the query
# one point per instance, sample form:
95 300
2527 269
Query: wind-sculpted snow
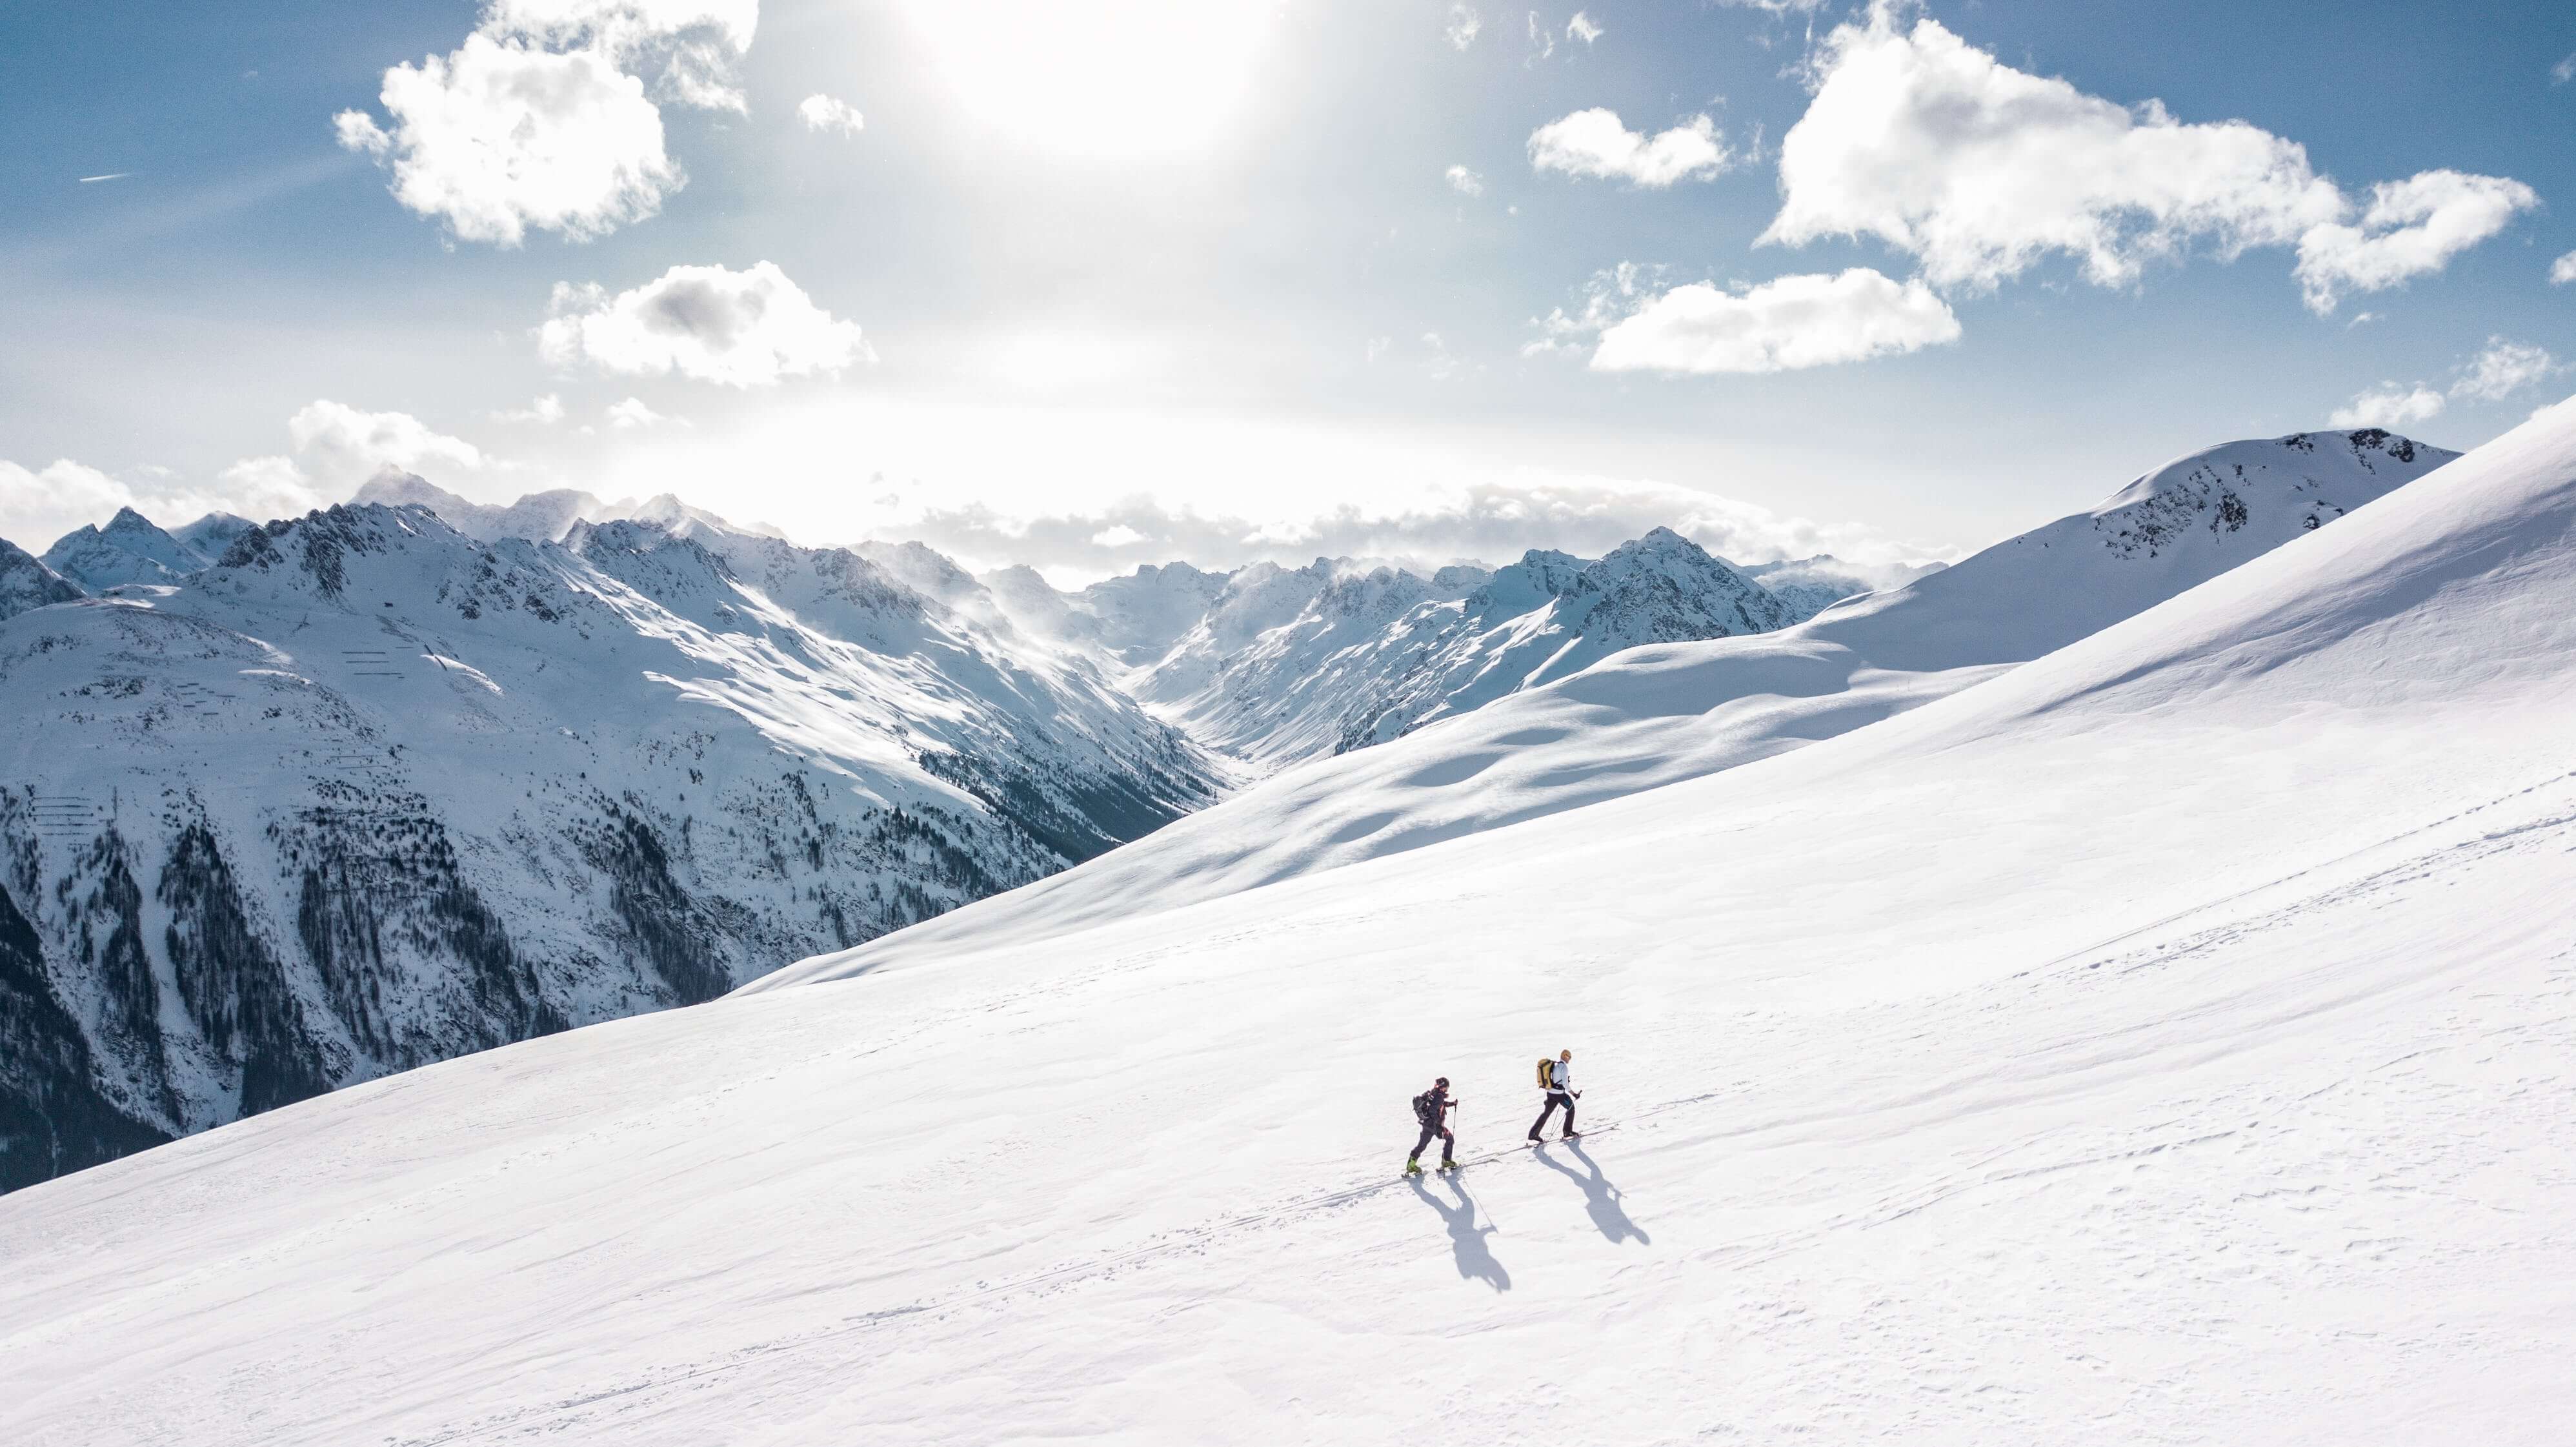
369 794
1656 715
2167 1038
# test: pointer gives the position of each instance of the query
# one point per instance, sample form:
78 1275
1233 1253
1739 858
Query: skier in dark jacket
1560 1094
1432 1108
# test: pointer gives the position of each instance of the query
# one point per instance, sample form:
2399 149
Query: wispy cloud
1463 27
2564 71
1465 182
110 176
1583 27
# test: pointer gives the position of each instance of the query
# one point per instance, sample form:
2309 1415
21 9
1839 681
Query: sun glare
1106 78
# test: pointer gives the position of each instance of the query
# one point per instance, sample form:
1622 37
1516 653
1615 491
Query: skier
1432 1108
1556 1077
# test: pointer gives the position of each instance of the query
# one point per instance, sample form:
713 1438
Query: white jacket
1560 1074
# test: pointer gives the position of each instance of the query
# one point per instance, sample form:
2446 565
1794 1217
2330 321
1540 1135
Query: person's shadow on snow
1466 1239
1600 1198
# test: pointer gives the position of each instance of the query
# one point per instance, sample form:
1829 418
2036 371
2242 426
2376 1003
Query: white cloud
2564 71
1980 171
1777 7
2563 270
1582 27
340 446
2412 228
1463 27
1594 143
542 117
546 410
501 136
1494 521
824 113
1466 182
1786 324
632 413
39 506
692 44
740 328
2501 369
336 448
2390 404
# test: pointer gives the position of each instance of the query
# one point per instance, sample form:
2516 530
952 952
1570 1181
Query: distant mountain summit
130 549
1360 659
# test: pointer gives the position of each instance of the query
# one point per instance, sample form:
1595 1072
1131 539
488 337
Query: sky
1088 285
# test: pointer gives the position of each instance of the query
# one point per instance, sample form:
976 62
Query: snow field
2167 1040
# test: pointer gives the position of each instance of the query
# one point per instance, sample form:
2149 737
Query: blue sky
1102 284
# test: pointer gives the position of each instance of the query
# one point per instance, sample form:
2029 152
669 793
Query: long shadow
1600 1198
1466 1239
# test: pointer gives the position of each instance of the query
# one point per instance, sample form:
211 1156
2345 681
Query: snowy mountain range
302 804
1657 715
2170 1032
368 792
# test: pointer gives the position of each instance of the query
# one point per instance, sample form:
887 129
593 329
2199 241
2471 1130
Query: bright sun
1107 78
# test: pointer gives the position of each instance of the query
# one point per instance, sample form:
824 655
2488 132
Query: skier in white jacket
1560 1093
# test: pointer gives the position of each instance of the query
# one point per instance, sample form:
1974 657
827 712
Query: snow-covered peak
1144 613
212 535
130 549
1811 585
25 582
1515 588
538 517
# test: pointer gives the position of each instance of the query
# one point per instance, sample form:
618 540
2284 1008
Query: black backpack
1426 1108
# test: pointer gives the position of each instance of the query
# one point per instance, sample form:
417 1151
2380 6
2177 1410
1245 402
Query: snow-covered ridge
1655 715
230 723
369 793
2170 1032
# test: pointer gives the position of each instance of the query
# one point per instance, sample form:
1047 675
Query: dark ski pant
1555 1098
1448 1143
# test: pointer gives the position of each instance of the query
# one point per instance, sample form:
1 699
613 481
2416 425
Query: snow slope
25 582
1656 715
370 793
2166 1041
